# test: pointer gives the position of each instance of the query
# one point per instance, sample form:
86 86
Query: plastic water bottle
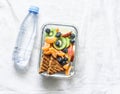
25 41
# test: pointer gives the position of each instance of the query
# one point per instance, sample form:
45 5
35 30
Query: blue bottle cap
34 9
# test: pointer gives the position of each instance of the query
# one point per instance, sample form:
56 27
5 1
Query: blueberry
59 59
65 59
58 34
57 43
72 41
72 36
47 30
65 50
63 62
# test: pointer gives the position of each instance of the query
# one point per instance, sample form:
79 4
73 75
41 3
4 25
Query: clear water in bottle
25 40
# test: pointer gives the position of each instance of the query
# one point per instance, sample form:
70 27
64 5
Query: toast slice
44 63
54 66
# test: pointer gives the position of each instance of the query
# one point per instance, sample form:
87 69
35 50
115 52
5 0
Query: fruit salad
58 51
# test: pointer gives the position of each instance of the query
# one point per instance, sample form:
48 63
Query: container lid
34 9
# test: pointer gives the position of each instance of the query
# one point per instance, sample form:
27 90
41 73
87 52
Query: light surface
98 63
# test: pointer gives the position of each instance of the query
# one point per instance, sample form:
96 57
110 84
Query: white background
98 63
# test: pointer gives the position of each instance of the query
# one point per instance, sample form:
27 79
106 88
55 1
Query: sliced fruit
46 47
70 52
57 29
47 52
53 50
67 42
72 58
66 34
60 53
73 50
66 66
69 59
57 43
62 43
50 39
67 72
51 32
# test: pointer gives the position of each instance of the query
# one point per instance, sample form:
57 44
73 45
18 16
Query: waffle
54 66
44 63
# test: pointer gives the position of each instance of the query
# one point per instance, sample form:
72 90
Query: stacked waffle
50 65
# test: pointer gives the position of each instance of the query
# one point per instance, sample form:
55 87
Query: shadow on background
53 84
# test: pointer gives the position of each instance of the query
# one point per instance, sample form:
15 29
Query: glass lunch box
58 51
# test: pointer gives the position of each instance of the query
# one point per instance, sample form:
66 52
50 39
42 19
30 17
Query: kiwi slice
52 33
62 43
67 42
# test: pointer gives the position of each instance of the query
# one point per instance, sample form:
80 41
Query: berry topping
65 50
65 59
58 34
72 36
47 30
72 41
59 59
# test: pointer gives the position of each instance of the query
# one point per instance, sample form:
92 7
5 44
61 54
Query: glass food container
58 51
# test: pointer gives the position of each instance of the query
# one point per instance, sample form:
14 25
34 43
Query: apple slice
71 52
66 34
